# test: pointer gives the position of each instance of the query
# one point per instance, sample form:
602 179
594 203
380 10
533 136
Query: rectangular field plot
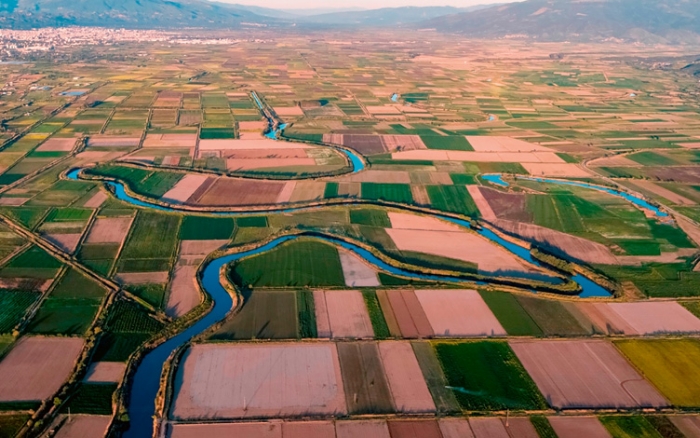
585 374
265 315
514 319
404 313
458 313
38 366
342 314
366 387
362 429
405 378
671 365
414 429
487 375
249 381
644 318
574 427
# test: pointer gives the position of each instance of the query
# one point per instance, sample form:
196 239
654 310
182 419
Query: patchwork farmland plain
348 236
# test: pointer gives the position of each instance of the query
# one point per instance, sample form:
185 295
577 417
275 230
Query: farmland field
487 376
265 315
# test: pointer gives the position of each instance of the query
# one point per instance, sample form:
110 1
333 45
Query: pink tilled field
84 426
458 313
585 374
488 427
185 188
406 381
38 366
227 381
109 230
403 308
643 318
576 427
362 429
342 314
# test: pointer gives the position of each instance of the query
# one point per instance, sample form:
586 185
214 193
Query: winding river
146 380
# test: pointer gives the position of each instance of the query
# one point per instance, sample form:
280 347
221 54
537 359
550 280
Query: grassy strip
307 314
381 330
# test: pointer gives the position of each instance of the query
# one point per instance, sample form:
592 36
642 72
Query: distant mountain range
558 20
650 21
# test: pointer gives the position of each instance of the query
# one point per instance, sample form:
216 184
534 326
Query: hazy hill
556 20
384 16
122 13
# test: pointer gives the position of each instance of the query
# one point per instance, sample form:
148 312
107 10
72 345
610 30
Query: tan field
406 381
488 428
57 145
109 230
455 428
38 366
647 318
345 313
183 291
286 193
84 426
664 193
403 142
185 188
405 221
97 200
200 247
585 374
308 191
142 277
556 170
218 381
575 427
465 246
362 429
113 141
170 141
503 144
67 242
226 430
481 203
458 313
293 111
356 272
105 372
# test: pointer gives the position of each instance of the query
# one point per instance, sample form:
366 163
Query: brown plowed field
38 366
235 192
420 195
656 317
389 316
105 372
463 245
200 247
217 381
406 382
362 429
577 427
308 429
84 426
605 319
488 427
109 230
184 188
366 387
225 430
576 247
183 291
197 195
57 145
67 242
585 374
347 315
511 206
406 221
458 313
364 144
482 143
308 191
689 425
414 429
142 277
402 142
481 203
455 428
521 427
409 314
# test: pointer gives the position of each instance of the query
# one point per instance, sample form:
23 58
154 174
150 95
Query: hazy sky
368 4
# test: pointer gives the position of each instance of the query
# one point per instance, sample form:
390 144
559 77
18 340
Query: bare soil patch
217 381
267 163
379 176
183 291
570 170
113 141
647 318
357 273
455 428
364 144
308 191
226 430
84 426
511 206
200 247
409 314
236 192
663 192
405 221
366 387
689 425
576 427
464 245
488 427
346 314
184 188
362 429
414 429
308 429
38 366
105 372
585 374
57 145
458 313
67 242
97 200
142 277
503 144
109 230
406 382
402 142
478 157
170 141
481 203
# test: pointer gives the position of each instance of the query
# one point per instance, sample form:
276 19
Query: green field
667 365
32 263
206 228
76 285
294 264
10 424
400 193
146 182
66 316
455 199
487 375
629 427
153 236
381 330
450 143
13 306
91 398
552 317
265 315
307 314
370 217
512 316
